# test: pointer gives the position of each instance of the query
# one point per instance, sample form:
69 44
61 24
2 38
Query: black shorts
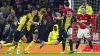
17 35
33 30
26 33
62 37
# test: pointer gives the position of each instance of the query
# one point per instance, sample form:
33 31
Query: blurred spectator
18 1
9 2
88 8
51 1
1 1
19 12
12 22
56 20
49 10
11 19
49 21
34 2
12 3
38 7
54 34
57 2
43 31
95 4
5 9
43 2
25 4
53 7
61 8
2 25
29 7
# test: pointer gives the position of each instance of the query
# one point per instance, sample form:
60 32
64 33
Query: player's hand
36 30
89 27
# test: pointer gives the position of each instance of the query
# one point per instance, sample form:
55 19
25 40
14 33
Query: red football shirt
65 11
84 19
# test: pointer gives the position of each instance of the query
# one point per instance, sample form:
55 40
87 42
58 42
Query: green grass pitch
76 54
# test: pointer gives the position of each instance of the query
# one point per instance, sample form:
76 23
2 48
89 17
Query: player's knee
24 39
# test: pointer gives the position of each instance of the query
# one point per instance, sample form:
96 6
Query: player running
34 28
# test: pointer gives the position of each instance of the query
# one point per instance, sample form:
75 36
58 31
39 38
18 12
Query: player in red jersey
66 8
83 31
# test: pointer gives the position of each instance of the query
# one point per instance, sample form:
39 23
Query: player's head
5 4
43 10
66 4
34 11
26 12
83 9
55 28
69 13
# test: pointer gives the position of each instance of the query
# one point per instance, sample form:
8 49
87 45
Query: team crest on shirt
85 17
83 20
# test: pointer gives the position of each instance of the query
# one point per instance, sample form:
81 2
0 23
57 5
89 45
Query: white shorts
69 31
83 33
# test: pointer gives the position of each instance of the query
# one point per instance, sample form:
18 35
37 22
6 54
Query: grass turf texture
75 54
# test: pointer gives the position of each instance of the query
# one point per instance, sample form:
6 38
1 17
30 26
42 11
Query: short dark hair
26 12
67 4
43 6
33 8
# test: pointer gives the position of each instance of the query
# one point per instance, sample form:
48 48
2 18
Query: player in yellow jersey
34 28
34 21
41 12
18 32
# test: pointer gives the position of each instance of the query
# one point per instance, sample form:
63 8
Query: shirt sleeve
38 19
90 19
74 19
22 22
